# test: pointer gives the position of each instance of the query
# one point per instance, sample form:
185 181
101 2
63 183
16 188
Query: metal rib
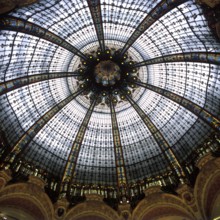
69 171
156 13
16 24
189 105
13 84
119 158
161 141
95 9
203 57
37 126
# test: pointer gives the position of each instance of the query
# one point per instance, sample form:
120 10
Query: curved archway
21 207
207 189
91 217
215 211
92 210
165 212
27 200
162 206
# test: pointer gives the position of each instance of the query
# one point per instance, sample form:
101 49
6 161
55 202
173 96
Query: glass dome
148 125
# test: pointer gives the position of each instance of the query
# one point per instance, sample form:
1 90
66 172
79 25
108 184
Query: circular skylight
110 92
107 73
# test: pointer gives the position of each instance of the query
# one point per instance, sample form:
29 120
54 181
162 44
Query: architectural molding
200 202
159 205
92 208
207 187
8 5
5 176
28 197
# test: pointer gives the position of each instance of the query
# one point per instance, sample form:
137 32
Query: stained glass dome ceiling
54 119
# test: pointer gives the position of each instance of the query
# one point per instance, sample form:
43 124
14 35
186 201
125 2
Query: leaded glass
69 42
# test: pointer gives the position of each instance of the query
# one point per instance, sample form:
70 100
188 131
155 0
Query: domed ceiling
108 92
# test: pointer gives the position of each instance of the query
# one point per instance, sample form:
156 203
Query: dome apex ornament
106 75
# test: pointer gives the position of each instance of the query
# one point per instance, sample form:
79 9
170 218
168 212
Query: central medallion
107 73
107 76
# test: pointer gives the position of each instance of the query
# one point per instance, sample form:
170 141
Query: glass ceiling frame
95 9
27 137
189 105
155 14
17 24
69 171
159 138
203 57
16 83
119 158
20 25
